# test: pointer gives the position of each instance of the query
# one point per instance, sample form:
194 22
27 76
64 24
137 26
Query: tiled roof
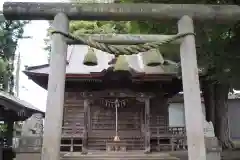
76 54
18 102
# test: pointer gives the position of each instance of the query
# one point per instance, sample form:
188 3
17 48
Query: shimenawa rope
119 50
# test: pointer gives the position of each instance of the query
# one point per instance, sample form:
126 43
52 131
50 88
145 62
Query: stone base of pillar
213 149
147 151
84 152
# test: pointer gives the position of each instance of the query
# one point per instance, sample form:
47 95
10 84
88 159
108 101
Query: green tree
3 128
10 33
98 27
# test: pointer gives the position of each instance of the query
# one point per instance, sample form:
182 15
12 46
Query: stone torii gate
61 13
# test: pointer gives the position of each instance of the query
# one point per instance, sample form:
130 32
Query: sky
32 53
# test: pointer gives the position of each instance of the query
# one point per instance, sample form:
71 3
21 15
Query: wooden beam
123 93
111 11
147 126
191 90
55 97
125 39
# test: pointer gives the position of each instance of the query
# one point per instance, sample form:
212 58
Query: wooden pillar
165 108
55 97
191 89
9 132
85 132
147 127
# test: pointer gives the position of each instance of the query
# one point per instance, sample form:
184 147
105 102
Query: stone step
107 158
119 156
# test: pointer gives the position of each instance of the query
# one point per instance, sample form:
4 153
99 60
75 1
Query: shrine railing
164 130
27 144
168 138
72 131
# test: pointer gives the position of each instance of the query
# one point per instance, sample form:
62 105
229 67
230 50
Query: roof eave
29 68
41 78
17 106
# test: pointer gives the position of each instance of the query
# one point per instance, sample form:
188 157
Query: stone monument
33 126
213 148
30 142
208 129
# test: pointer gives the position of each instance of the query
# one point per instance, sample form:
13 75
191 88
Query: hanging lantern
121 64
90 58
153 58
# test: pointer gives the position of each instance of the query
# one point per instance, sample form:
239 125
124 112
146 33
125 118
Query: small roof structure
76 68
19 109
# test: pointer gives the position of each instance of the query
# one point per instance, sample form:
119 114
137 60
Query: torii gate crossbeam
123 12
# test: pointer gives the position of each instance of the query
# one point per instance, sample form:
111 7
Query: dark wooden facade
101 121
89 122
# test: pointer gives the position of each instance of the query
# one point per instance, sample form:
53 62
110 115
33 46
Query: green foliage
3 128
98 27
10 32
3 65
217 44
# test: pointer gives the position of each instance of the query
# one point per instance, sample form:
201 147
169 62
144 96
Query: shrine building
105 108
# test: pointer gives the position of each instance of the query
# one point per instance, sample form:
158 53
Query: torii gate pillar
56 87
191 90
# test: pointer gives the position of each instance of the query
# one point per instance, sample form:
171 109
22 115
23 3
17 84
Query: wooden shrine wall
129 119
101 126
73 116
159 117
